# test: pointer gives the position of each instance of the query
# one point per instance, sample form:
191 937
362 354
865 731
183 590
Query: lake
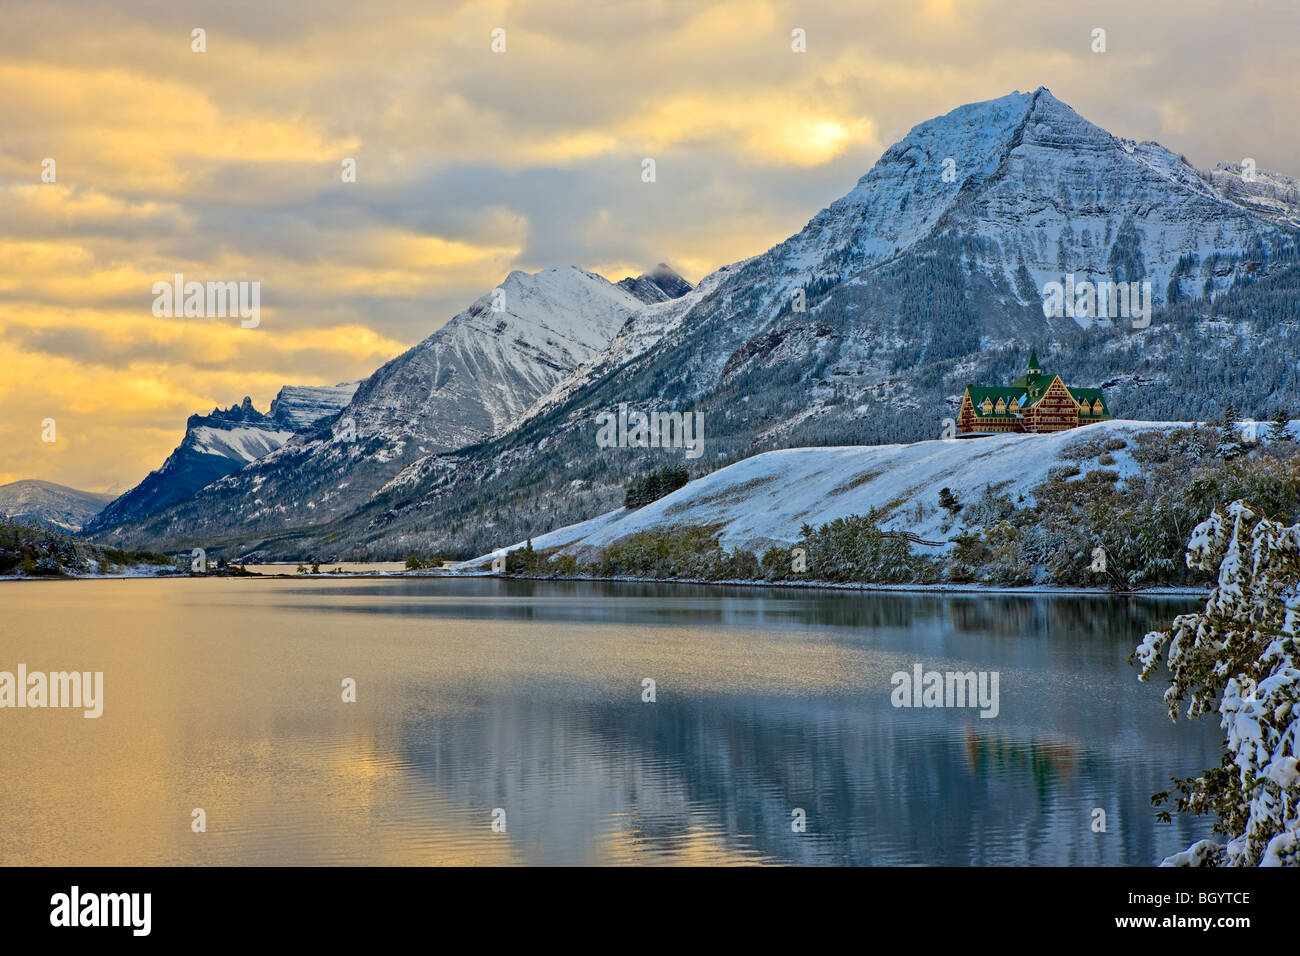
503 722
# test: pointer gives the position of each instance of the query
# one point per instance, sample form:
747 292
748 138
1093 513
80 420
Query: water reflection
876 789
526 696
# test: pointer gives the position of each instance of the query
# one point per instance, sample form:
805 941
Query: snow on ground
765 500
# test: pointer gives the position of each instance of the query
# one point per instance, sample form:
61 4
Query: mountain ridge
462 384
33 501
860 328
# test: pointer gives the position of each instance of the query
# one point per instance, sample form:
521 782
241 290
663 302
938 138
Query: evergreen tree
1229 435
522 560
652 487
1277 429
1240 654
948 501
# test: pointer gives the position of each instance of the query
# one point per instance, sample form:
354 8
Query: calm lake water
474 695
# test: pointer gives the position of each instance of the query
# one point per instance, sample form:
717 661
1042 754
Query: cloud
226 165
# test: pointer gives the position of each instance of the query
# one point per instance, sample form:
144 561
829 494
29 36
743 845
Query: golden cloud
225 166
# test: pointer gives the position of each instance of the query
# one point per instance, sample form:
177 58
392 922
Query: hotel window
987 406
1001 406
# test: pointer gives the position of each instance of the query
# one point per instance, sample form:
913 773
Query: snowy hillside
240 444
765 500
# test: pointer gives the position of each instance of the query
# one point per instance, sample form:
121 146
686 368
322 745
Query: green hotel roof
1027 391
993 393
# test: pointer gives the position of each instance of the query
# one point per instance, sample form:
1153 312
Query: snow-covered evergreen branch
1240 652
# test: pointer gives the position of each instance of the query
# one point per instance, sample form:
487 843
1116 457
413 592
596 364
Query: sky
228 164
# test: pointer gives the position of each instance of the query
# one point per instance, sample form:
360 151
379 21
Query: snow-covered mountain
465 383
220 443
474 376
862 328
929 274
942 251
945 246
44 503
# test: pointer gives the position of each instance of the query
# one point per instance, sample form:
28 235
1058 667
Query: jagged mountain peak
220 443
238 413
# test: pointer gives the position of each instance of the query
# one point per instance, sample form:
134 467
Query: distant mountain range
44 503
467 382
862 328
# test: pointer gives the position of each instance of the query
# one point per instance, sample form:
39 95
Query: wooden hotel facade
1036 402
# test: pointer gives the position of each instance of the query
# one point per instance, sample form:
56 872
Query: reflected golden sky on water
225 694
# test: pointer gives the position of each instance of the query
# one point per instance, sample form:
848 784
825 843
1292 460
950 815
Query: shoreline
1047 590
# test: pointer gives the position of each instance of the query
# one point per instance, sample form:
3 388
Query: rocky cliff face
298 406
